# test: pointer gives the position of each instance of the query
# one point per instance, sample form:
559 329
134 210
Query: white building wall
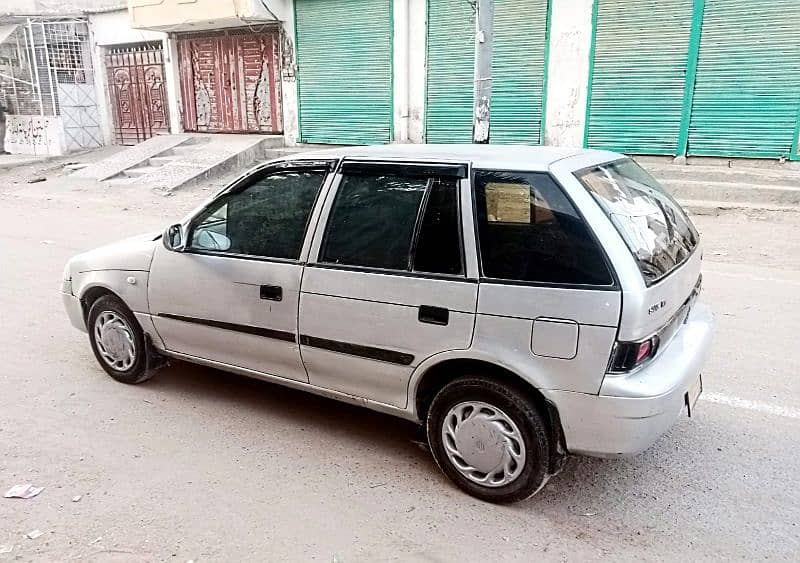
409 69
568 72
291 132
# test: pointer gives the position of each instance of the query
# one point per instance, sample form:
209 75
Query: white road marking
760 406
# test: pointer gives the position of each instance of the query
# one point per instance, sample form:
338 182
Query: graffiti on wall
33 134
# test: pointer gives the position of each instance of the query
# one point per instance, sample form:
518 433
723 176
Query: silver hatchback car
522 303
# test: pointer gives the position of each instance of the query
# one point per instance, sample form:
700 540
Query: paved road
198 464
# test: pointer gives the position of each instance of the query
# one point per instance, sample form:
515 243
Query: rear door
386 286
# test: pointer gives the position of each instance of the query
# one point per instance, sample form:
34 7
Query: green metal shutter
638 75
518 71
344 59
747 90
451 71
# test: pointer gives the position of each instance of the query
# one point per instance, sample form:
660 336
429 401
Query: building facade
663 77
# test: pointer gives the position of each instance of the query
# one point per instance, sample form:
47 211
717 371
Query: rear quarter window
529 231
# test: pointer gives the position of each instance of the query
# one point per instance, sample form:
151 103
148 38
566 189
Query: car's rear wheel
117 340
489 438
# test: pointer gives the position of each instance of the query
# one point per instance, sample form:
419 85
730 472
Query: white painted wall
114 28
32 134
291 132
568 72
409 69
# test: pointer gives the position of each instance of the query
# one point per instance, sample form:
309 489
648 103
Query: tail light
630 355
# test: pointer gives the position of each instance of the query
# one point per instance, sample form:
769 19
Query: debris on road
6 548
23 491
72 166
96 540
37 180
76 498
34 534
46 242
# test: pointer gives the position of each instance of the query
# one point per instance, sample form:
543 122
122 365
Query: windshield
655 228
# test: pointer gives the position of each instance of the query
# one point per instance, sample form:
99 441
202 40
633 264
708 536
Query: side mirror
174 238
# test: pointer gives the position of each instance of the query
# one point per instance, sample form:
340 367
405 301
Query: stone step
745 175
734 192
140 171
161 160
716 208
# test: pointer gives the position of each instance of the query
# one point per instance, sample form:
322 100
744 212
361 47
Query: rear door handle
271 292
433 315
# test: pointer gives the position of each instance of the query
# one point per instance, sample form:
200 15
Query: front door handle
271 292
433 315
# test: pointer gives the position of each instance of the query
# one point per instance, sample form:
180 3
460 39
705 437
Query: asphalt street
201 465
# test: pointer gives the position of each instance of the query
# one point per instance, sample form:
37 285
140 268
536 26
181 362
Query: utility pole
483 70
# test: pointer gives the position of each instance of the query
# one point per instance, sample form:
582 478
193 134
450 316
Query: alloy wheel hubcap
114 340
483 443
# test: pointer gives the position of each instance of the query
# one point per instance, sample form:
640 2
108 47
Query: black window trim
368 167
326 166
613 286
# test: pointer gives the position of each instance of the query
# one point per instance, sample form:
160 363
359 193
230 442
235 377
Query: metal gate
344 74
451 71
138 93
518 71
230 81
747 91
638 75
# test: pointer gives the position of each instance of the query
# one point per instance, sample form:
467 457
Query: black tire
523 413
138 371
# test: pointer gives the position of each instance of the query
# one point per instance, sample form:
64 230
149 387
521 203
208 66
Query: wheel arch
94 292
435 376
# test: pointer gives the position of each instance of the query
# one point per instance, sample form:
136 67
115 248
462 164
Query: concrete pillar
102 95
291 124
568 72
417 75
172 80
409 69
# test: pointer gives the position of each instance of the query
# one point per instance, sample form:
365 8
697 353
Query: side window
395 222
267 218
530 231
438 247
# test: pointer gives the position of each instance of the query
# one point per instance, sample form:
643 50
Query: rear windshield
655 228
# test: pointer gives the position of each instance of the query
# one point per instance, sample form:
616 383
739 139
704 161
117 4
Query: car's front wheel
489 438
117 340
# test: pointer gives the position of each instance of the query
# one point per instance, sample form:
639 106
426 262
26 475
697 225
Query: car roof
507 157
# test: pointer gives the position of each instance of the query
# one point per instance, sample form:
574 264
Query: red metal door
230 82
138 93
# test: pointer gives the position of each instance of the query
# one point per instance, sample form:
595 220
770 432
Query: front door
232 295
388 287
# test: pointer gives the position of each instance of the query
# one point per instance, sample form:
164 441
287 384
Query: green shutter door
638 75
518 70
747 91
344 59
451 70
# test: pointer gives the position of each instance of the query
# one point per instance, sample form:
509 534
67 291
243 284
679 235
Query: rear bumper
74 311
633 411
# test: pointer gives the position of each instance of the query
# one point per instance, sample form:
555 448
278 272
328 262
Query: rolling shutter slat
747 90
344 58
638 80
451 71
520 29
